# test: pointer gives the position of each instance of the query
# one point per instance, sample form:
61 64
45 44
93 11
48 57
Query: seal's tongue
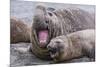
43 37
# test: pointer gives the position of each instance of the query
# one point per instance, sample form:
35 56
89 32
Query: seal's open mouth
43 37
41 27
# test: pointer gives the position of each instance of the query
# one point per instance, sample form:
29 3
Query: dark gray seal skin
50 23
74 45
19 31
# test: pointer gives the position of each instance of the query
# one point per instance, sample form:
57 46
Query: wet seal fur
56 22
74 45
19 31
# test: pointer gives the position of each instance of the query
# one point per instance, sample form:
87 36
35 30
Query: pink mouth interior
43 35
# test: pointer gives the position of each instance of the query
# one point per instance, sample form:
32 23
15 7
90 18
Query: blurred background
25 9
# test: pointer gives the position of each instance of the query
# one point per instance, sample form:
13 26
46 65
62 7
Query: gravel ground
21 56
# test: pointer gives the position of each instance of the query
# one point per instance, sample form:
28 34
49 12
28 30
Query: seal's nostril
46 21
52 50
48 47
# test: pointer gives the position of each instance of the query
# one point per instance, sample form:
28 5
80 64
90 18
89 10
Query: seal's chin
54 55
43 36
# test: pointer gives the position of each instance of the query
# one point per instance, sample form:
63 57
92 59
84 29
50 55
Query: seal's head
43 26
55 48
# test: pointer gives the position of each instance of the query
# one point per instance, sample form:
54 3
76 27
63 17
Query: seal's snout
51 49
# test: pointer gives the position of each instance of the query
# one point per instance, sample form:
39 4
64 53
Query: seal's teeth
42 41
53 55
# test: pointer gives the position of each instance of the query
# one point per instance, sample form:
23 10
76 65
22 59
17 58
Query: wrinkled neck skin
72 49
65 52
57 28
42 53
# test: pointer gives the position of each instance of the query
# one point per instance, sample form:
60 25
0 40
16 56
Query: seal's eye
57 42
50 14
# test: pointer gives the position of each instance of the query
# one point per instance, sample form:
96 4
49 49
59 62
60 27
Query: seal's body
74 45
20 32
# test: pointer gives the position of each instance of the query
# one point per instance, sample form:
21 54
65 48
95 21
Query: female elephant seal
49 23
74 45
19 31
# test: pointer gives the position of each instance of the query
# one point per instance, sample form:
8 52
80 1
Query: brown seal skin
19 31
74 45
56 22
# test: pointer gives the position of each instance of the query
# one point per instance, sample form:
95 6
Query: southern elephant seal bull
48 24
